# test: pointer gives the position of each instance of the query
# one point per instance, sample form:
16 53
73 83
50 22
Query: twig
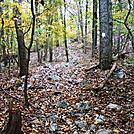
10 94
107 77
92 67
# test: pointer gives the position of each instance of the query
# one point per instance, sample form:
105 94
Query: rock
114 106
71 81
103 131
81 123
62 104
42 117
79 80
74 114
53 118
83 106
40 68
35 120
55 77
75 132
93 127
71 63
29 84
47 65
83 82
36 76
120 73
53 127
99 119
76 72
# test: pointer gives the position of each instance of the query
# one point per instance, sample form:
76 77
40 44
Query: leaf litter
63 100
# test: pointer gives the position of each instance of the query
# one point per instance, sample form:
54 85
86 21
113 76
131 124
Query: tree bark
21 44
37 34
81 20
65 35
22 50
15 122
105 55
94 26
29 48
86 23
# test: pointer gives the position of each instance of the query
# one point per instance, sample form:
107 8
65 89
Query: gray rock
93 127
53 118
83 106
62 104
53 127
120 73
71 81
103 131
55 77
114 106
81 123
40 68
99 119
37 76
74 113
83 82
75 132
29 84
72 63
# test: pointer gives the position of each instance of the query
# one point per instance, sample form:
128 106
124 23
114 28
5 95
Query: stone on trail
81 123
99 119
114 106
62 104
103 131
53 127
82 106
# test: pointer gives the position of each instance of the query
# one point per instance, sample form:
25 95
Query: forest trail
62 98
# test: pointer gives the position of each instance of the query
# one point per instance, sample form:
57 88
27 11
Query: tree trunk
21 43
94 26
29 48
105 58
81 20
86 23
15 122
65 35
110 22
37 34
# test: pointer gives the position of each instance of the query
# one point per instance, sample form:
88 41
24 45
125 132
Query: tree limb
107 77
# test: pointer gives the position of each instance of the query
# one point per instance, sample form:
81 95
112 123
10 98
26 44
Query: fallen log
107 77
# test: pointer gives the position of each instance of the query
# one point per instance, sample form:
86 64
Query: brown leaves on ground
62 99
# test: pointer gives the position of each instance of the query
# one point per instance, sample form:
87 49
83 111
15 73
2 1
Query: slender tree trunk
105 58
46 49
65 35
29 48
12 38
1 36
118 41
78 23
37 43
94 26
50 51
81 20
86 17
